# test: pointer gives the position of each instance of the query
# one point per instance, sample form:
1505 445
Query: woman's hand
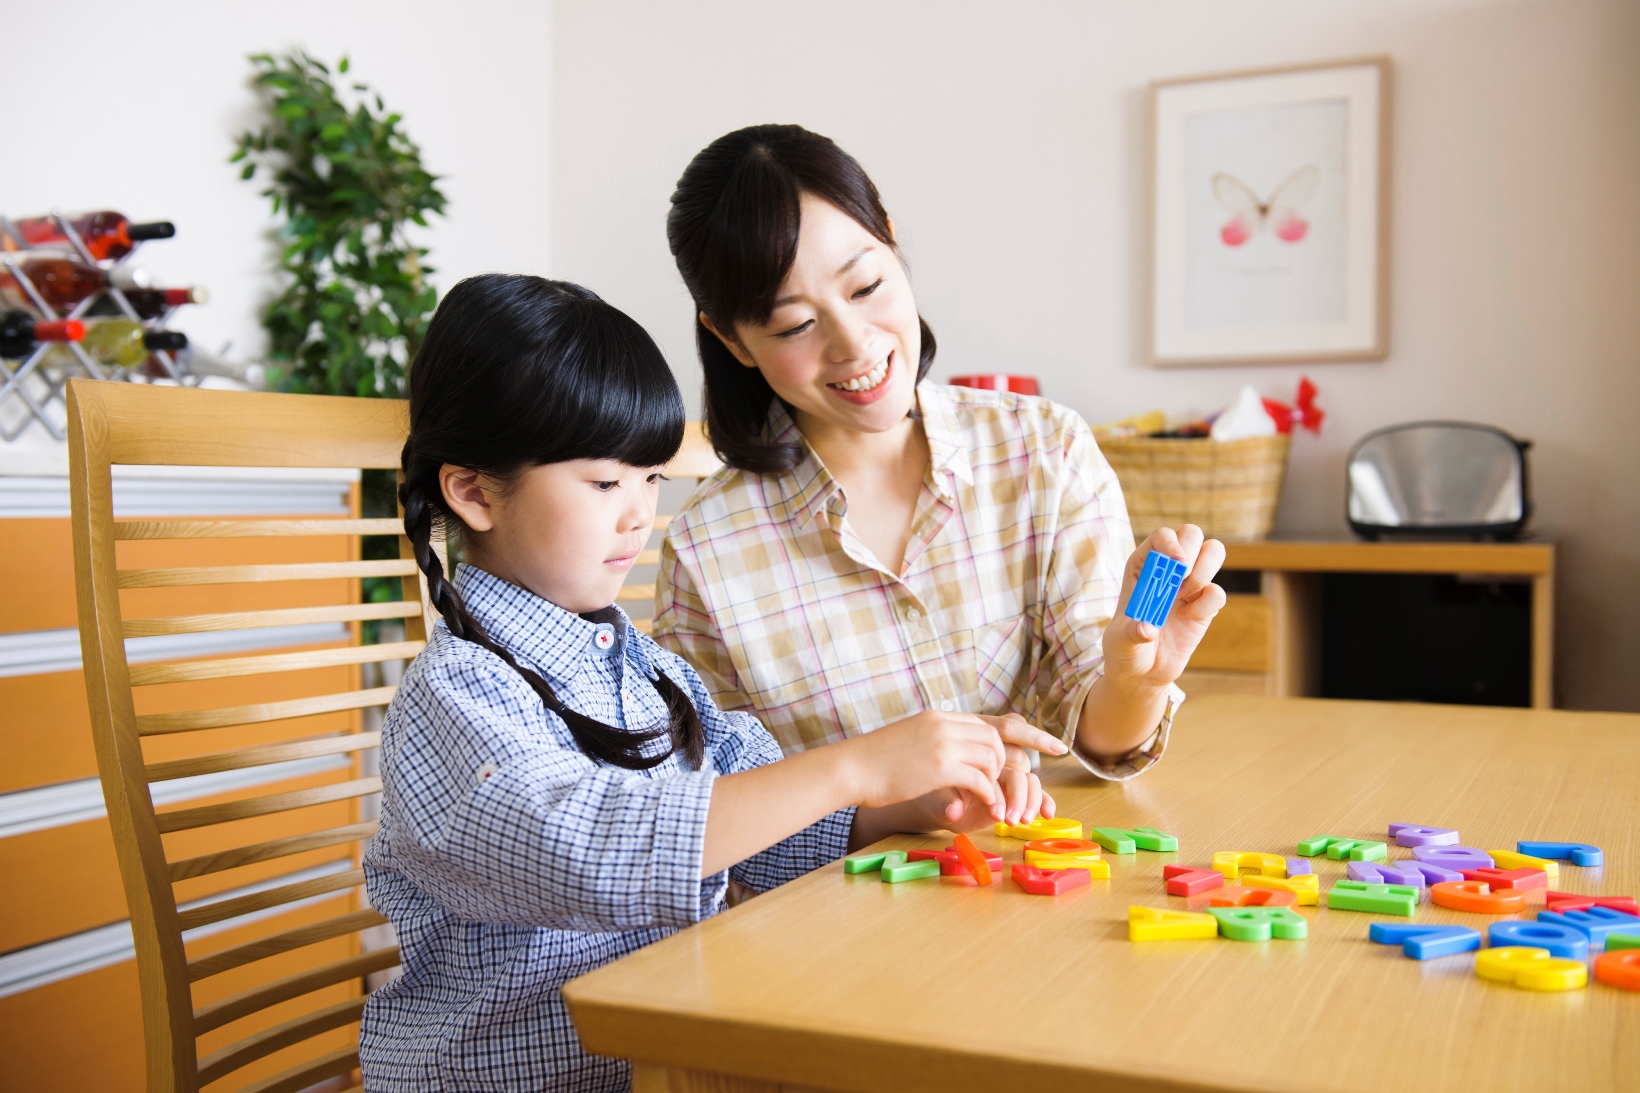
1147 658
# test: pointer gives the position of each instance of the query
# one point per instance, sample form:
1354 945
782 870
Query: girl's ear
731 344
468 494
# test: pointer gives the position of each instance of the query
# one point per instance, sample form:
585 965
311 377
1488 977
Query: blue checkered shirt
509 862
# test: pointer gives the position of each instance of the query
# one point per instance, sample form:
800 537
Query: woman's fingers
1209 558
1014 729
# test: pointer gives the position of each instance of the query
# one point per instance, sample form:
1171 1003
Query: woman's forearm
1116 719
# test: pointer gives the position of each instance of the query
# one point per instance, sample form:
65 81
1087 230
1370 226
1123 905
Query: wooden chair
288 978
695 460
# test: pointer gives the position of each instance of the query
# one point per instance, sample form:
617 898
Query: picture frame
1270 215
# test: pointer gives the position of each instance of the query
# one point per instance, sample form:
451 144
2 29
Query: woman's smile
867 387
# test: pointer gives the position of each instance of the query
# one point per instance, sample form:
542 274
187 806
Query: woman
875 545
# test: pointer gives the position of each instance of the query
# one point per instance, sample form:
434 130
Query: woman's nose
849 341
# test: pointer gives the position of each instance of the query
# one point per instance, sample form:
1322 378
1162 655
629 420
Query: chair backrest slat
263 947
155 724
253 620
188 818
270 849
127 530
148 675
291 986
250 574
218 1064
224 909
260 755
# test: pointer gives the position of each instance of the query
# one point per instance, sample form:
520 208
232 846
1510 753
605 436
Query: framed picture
1270 215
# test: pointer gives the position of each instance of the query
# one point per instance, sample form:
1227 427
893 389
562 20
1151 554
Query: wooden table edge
812 1059
1526 559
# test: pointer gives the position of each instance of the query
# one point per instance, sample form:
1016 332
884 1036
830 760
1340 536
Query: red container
1019 385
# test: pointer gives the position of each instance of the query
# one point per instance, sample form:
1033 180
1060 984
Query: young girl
557 790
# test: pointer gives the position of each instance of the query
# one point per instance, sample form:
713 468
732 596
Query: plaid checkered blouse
1012 572
509 862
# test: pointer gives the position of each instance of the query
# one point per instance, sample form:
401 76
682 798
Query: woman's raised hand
1137 653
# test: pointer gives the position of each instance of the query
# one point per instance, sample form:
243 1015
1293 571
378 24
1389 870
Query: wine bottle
106 234
64 282
150 303
201 362
121 343
21 332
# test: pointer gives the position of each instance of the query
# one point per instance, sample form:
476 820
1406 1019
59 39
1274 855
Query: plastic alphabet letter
1043 827
1048 882
1560 940
1298 867
1260 923
1623 941
1426 942
910 870
1619 969
1432 873
1157 924
1382 899
871 863
1235 895
1231 862
1577 853
1596 922
1306 888
1474 895
1418 835
1388 873
978 867
1185 880
1156 589
1509 878
1091 864
951 864
1565 901
1339 848
1508 859
1454 857
1531 969
1124 840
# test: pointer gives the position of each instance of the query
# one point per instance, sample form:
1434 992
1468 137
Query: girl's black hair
518 371
733 231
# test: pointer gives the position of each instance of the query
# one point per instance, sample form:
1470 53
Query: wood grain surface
845 983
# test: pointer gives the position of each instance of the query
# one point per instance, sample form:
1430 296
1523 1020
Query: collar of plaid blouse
809 485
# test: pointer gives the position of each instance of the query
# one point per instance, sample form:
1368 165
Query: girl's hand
1022 791
1141 656
930 752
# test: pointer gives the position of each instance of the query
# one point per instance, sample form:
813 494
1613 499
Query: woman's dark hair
515 372
733 231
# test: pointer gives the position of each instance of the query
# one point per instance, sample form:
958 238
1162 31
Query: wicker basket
1228 488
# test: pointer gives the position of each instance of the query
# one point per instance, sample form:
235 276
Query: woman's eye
798 329
605 487
869 289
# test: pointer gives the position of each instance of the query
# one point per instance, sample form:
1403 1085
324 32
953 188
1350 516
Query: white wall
135 107
1008 142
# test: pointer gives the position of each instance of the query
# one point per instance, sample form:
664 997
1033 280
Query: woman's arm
894 771
1125 704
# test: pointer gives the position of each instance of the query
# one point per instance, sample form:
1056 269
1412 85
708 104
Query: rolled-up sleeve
508 826
1091 542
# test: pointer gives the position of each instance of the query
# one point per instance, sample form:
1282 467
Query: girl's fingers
1049 806
1033 799
1016 790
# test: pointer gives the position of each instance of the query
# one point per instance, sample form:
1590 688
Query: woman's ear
468 494
731 344
891 238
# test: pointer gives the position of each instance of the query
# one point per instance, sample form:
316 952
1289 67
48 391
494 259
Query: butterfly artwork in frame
1270 215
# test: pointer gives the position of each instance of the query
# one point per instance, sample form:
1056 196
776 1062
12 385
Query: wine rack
33 389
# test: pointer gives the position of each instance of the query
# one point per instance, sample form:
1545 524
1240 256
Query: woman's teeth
867 381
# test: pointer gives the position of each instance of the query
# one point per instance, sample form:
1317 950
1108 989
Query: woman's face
843 342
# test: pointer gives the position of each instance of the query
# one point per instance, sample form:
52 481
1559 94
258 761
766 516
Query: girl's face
843 342
568 532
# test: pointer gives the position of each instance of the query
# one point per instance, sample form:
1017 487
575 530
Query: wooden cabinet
1270 642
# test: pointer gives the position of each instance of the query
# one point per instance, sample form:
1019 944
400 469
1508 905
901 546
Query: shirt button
604 638
947 705
913 615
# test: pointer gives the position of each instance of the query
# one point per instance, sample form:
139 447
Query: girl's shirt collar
551 640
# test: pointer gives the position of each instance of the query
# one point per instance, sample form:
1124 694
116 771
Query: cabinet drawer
1239 639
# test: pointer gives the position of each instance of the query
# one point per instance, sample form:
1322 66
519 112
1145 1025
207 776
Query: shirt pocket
995 660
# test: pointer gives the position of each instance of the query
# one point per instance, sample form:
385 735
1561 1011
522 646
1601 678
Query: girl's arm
896 769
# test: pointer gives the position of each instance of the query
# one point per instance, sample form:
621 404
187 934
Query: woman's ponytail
453 422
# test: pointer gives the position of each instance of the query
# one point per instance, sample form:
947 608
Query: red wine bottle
64 282
21 332
106 234
150 303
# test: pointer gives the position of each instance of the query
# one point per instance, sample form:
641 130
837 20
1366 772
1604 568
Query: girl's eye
605 487
657 478
798 329
869 289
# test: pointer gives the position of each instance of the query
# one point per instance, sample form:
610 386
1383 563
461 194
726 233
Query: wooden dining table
843 982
